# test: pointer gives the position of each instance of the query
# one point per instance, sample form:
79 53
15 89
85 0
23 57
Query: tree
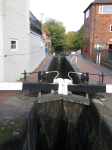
71 37
78 41
57 31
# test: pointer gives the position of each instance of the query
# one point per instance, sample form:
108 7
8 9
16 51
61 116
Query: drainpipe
94 29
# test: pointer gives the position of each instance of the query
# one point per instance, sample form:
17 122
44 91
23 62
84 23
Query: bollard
76 59
87 77
87 96
101 77
25 75
97 58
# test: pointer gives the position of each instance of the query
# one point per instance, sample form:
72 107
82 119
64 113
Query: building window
99 46
105 9
14 45
111 28
87 13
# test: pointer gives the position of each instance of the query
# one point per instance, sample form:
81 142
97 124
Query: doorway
110 46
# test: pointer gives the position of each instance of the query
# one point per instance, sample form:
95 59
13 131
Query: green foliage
78 41
57 31
93 139
41 132
71 37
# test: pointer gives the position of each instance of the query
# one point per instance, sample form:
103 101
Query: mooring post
97 58
25 75
76 59
87 77
102 77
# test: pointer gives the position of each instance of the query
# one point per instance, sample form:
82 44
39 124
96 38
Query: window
14 45
87 13
111 28
98 46
105 9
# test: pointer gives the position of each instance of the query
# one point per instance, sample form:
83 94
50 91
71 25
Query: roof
46 32
99 2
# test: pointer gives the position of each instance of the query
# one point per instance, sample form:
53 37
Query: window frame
87 13
110 27
102 6
99 48
15 40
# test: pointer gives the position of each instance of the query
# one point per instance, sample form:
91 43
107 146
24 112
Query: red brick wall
47 39
102 23
86 35
96 29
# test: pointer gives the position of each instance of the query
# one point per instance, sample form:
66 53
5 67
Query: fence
106 56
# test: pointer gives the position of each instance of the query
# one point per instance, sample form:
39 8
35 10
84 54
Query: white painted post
76 59
72 58
97 58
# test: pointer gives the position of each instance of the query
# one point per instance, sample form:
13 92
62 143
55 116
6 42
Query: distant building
47 38
22 46
97 27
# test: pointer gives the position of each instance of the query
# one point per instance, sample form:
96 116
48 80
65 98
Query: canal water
62 125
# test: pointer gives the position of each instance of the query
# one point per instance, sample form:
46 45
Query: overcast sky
70 12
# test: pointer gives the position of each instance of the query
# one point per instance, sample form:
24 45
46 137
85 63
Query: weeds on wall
93 139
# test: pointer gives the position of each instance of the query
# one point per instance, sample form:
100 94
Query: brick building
47 38
97 27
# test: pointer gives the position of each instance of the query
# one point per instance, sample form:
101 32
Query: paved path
88 66
30 78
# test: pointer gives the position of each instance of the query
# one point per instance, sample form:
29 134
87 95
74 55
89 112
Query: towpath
89 66
30 78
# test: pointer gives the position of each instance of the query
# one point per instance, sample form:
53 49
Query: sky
70 12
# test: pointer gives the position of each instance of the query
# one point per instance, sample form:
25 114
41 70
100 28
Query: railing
106 56
34 21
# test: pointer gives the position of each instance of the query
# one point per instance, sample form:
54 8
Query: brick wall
47 39
102 23
96 29
86 36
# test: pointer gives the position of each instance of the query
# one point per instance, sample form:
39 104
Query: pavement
89 66
30 78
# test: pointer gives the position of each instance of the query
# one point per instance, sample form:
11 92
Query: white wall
37 52
15 26
1 50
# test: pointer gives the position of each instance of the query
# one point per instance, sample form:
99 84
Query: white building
20 48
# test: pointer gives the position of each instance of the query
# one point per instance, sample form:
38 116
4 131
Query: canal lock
62 124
